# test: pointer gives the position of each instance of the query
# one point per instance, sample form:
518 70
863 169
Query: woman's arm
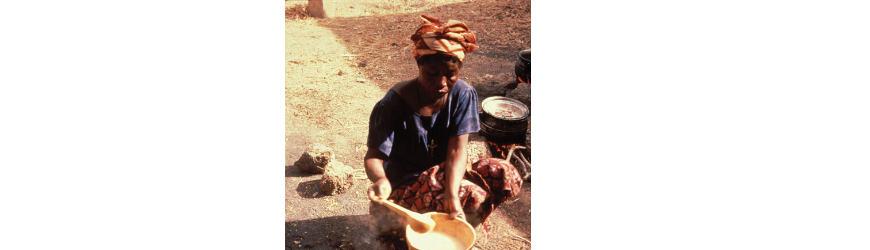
381 188
455 168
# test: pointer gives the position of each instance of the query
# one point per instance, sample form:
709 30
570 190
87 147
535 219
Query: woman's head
440 50
438 73
437 58
453 38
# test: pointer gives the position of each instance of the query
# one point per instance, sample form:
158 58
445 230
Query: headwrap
452 38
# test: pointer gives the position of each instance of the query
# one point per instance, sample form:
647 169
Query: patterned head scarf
452 38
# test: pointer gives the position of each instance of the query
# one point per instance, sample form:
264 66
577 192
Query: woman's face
437 78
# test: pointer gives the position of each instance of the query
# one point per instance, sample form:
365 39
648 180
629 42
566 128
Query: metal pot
523 68
504 118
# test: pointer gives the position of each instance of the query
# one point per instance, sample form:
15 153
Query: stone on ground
315 159
336 178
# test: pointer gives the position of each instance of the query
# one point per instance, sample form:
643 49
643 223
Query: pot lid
505 108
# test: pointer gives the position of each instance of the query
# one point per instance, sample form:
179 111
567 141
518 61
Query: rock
315 159
522 93
336 178
485 90
493 85
503 79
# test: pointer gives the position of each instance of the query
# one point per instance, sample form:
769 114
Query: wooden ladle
418 222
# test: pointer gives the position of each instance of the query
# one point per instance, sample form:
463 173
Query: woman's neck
427 105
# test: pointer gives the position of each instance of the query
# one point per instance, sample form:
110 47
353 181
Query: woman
417 155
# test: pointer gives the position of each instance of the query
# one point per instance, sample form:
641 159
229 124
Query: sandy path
328 99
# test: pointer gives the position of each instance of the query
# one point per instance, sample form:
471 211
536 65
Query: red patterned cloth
486 185
453 38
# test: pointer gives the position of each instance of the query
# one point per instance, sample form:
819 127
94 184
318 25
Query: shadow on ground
293 171
309 189
339 232
519 211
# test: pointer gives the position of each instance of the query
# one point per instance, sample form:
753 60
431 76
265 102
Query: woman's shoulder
391 98
398 92
394 98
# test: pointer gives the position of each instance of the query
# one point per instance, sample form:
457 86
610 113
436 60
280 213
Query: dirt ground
337 68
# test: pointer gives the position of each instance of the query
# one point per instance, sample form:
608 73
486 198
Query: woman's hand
453 208
380 190
453 173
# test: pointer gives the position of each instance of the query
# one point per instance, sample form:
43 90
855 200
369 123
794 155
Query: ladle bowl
458 231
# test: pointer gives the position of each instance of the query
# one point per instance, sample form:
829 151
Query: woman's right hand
380 190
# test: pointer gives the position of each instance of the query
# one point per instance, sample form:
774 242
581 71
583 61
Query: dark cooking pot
523 68
504 118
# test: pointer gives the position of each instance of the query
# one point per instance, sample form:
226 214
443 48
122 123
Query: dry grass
295 12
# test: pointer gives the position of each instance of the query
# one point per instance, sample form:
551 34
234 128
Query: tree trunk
315 9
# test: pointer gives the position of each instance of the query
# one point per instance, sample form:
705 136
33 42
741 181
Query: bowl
446 235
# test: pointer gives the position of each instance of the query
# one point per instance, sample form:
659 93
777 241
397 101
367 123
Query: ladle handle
416 221
399 209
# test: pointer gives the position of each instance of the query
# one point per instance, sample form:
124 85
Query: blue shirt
414 143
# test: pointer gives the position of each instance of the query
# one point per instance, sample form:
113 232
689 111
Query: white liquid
438 241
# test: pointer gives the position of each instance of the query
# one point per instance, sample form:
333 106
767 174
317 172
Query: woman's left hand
453 208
